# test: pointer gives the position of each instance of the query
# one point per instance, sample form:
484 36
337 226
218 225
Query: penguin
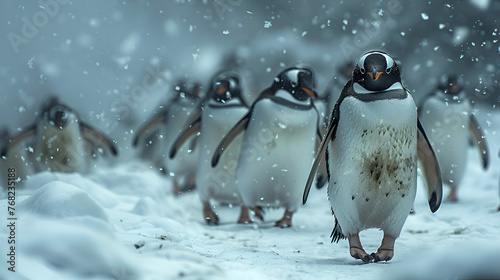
17 157
59 141
157 135
446 115
279 135
372 145
222 108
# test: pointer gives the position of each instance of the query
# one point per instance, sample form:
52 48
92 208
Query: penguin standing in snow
222 108
59 141
373 141
446 115
158 134
279 135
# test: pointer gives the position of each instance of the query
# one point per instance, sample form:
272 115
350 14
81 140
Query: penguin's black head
376 71
225 86
56 114
452 84
299 81
186 88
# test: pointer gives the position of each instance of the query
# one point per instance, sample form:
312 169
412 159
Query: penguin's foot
360 254
244 216
383 255
453 195
286 221
356 249
209 214
190 184
176 190
258 213
386 250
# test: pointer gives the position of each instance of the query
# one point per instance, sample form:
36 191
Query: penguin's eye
362 70
388 70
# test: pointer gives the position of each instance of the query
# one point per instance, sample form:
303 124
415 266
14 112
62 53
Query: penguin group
363 137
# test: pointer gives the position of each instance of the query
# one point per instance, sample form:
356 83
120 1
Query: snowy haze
115 61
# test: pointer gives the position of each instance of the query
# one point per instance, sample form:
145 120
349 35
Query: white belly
218 182
186 160
61 150
276 154
373 165
447 127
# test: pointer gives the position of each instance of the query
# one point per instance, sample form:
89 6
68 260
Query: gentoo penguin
373 141
59 141
446 115
279 135
222 108
157 135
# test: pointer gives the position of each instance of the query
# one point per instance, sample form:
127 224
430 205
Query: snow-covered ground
122 222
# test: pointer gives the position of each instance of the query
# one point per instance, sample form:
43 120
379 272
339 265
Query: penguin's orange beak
375 75
221 90
309 92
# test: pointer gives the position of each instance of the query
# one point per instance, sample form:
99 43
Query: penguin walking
222 108
446 115
157 135
59 141
279 135
373 141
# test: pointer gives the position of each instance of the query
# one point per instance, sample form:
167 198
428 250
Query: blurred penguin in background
223 107
335 85
446 115
58 141
157 135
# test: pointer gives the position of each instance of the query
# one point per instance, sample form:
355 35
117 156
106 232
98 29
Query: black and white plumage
373 141
59 141
222 108
446 115
156 136
280 132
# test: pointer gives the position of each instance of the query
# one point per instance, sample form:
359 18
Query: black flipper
480 140
322 176
25 135
192 128
330 136
430 169
337 232
230 136
97 139
152 126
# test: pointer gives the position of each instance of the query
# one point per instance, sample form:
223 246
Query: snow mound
74 247
61 200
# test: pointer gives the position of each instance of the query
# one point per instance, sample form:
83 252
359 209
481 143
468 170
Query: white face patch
388 60
293 76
